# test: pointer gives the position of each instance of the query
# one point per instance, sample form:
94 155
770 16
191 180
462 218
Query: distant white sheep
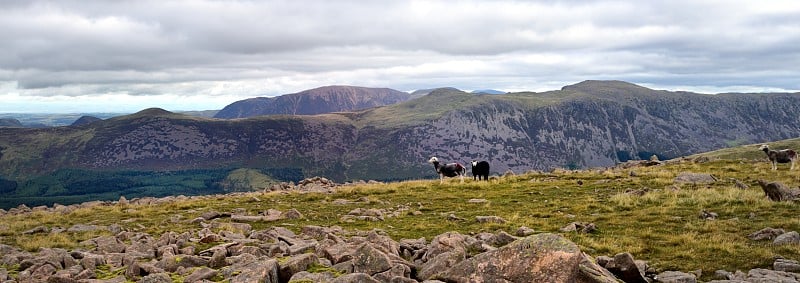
780 156
448 170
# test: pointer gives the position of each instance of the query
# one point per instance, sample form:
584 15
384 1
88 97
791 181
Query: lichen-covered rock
787 238
355 278
253 271
765 234
369 260
675 277
539 258
295 264
787 265
305 276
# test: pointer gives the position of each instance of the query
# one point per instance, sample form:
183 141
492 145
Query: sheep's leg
792 167
462 177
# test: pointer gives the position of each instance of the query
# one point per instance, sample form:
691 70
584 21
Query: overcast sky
123 56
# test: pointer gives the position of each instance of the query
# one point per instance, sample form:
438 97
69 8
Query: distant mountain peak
152 112
603 84
85 120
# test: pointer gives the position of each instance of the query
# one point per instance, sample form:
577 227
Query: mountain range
589 124
315 101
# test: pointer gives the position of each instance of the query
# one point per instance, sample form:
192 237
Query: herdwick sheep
448 170
480 169
780 156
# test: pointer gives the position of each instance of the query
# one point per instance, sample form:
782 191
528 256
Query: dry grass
661 226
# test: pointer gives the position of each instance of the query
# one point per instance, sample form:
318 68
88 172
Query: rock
369 260
172 263
294 265
766 275
675 277
37 230
776 191
722 275
218 258
247 218
477 200
202 273
787 238
490 219
293 214
446 242
108 244
539 258
579 227
398 270
254 271
765 234
786 265
626 268
440 263
156 278
524 232
305 276
355 278
694 178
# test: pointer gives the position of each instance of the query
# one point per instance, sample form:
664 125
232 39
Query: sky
123 56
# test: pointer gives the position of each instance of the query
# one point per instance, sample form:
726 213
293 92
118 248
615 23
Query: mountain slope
590 124
314 101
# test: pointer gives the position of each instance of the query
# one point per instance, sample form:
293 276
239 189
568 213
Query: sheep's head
764 147
433 160
474 162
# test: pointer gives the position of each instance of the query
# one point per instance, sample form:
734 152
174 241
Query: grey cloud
127 44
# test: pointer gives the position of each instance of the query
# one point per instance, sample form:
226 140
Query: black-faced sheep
780 156
448 170
480 169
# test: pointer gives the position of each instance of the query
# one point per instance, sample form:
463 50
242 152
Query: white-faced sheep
780 156
448 170
480 169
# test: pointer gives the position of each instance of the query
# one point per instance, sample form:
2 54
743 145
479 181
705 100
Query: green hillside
641 210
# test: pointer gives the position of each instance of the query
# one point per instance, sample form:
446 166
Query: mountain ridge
596 124
319 100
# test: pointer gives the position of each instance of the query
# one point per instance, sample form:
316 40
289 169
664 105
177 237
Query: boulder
787 238
787 265
369 260
540 258
253 271
295 264
355 278
626 268
776 191
305 276
203 273
765 234
675 277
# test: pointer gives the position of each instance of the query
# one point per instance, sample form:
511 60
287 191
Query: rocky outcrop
777 191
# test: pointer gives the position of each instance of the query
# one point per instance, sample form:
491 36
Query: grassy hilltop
661 226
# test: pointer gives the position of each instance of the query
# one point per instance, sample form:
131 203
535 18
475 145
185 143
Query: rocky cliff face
314 101
585 125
